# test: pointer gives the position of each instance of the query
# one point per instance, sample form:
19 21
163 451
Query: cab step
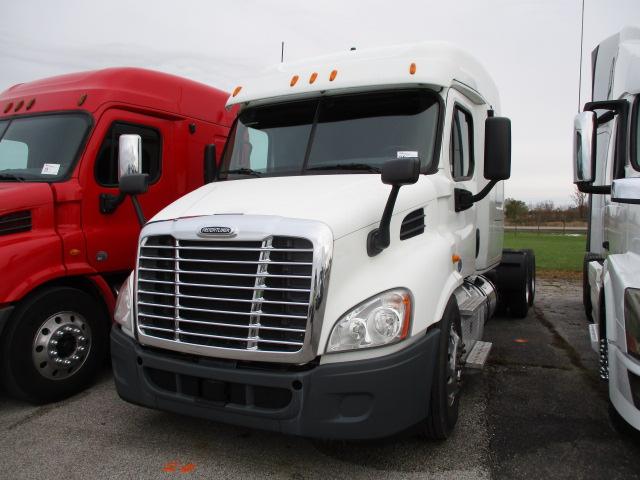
478 355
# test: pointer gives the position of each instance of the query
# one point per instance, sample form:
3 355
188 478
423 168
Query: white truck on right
607 166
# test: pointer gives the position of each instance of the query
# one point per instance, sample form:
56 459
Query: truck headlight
123 314
632 321
380 320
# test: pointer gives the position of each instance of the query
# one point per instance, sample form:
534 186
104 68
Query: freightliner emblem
217 231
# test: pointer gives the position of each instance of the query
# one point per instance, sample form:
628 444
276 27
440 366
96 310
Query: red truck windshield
41 148
352 133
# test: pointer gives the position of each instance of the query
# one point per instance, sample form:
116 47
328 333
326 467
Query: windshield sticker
407 154
52 168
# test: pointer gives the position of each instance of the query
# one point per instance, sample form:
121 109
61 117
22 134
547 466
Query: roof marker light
8 107
313 77
412 68
19 105
294 80
82 99
30 104
236 91
333 75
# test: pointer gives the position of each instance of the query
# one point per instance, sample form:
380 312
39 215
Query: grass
554 252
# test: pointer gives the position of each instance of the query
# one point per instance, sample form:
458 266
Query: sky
531 48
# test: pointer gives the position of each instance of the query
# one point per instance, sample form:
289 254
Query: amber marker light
455 258
412 68
19 105
31 103
406 301
236 91
333 75
313 77
82 99
294 80
74 252
8 107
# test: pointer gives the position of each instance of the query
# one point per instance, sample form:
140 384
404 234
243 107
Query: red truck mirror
129 154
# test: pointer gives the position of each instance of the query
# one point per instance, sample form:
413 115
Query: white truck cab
334 278
607 165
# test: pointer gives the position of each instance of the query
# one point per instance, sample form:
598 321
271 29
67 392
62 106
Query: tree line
518 212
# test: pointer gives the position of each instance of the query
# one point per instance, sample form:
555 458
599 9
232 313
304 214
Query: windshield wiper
11 176
244 171
347 166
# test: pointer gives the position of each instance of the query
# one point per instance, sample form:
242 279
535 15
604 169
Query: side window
106 167
461 145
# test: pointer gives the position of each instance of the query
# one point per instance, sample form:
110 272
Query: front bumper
352 400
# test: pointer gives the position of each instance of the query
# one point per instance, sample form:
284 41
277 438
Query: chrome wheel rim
454 365
61 346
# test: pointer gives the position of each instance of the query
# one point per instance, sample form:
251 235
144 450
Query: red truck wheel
54 345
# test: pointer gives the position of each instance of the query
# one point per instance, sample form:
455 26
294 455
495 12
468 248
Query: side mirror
131 181
626 190
134 183
584 127
403 171
129 154
497 148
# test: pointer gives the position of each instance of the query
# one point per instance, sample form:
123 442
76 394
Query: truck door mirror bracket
464 199
403 171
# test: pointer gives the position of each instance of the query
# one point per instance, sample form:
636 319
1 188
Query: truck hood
23 195
345 203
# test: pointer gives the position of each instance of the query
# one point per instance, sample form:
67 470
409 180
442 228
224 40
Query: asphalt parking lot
536 410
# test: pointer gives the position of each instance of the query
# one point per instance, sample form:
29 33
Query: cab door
461 168
111 236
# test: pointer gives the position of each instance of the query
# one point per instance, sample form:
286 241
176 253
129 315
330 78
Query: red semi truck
68 235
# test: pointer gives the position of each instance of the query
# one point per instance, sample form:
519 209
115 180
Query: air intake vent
15 222
412 225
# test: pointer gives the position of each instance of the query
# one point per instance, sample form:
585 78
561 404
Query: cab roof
136 87
430 64
616 65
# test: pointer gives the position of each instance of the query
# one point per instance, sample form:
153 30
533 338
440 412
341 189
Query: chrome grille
242 295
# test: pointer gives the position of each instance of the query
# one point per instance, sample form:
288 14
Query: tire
621 426
531 275
447 377
513 282
586 289
54 345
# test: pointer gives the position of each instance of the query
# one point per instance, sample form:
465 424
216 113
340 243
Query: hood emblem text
217 231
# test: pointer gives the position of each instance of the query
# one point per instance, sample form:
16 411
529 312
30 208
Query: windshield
354 133
40 148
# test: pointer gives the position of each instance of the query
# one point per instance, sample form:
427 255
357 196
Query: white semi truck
334 279
607 165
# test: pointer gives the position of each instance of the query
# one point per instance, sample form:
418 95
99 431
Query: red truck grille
231 294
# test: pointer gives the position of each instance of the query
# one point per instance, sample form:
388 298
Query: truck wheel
514 282
447 377
531 275
586 289
54 345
